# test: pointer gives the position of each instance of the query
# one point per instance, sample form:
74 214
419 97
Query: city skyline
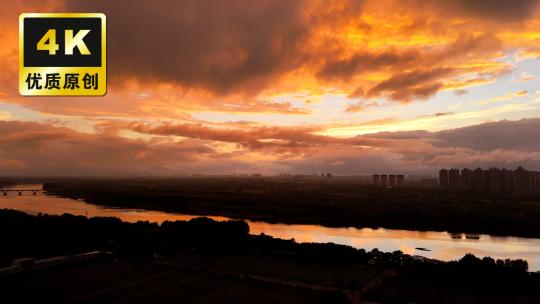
495 180
348 87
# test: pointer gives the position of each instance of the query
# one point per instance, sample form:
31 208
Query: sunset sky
286 86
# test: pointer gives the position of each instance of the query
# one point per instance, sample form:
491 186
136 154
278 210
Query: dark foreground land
329 202
203 261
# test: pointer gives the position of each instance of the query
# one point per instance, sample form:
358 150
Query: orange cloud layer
234 56
35 148
170 61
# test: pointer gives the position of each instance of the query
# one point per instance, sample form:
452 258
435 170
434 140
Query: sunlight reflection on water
442 245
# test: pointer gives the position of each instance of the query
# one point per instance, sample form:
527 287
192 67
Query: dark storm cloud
515 135
346 68
395 60
219 46
418 84
416 73
494 10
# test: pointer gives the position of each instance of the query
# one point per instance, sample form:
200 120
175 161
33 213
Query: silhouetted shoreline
327 203
227 249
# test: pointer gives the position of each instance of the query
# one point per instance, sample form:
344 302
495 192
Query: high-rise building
384 180
376 179
392 180
443 179
493 180
454 179
477 180
466 179
400 180
520 180
507 181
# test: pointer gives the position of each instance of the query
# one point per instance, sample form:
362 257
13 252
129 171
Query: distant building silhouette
466 178
384 180
454 179
443 179
492 180
376 179
400 180
392 180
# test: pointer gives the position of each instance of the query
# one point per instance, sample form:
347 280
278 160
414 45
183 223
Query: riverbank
200 259
322 202
441 245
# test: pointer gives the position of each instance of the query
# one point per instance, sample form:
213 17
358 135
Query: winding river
441 245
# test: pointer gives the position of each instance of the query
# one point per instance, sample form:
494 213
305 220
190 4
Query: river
441 245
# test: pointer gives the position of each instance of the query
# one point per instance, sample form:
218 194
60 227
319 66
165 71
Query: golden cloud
231 56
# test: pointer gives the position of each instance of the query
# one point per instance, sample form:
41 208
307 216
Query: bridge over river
5 192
